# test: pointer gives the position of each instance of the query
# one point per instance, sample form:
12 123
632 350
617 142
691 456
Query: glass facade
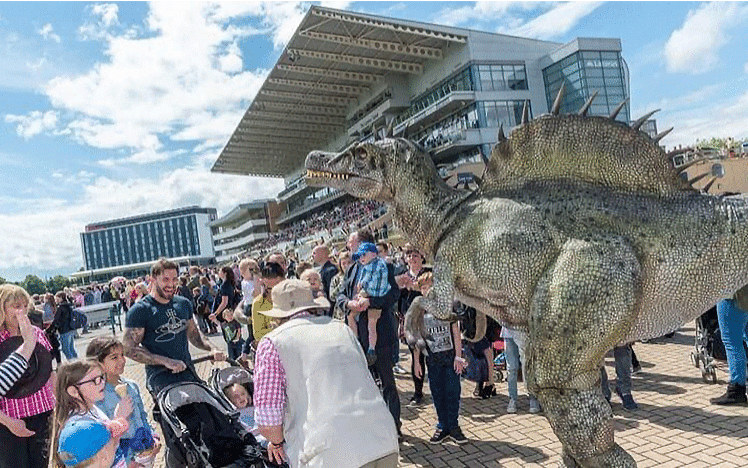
583 73
475 77
143 242
500 77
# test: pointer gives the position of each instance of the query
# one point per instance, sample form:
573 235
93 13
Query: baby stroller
708 346
207 429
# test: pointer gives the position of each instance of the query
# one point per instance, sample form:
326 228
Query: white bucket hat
293 296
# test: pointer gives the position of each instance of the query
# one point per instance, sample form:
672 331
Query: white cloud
47 32
34 123
27 235
540 20
149 89
694 47
699 115
103 17
555 22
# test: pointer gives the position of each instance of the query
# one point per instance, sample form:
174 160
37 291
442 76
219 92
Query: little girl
139 443
79 386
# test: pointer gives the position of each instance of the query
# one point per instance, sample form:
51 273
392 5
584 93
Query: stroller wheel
499 376
192 459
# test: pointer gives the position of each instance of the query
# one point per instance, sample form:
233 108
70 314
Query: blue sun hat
81 439
364 248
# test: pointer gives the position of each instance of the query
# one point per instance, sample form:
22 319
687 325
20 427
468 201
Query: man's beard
162 294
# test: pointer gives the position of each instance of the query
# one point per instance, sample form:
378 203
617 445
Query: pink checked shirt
270 383
38 403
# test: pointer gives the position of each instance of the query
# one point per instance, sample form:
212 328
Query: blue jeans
511 353
622 355
67 341
445 391
732 322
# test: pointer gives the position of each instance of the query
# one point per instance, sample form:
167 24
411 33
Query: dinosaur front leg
581 308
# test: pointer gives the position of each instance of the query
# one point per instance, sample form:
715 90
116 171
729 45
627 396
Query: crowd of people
356 213
294 322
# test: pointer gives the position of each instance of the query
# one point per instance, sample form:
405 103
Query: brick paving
674 427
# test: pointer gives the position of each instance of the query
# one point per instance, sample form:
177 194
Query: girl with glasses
79 386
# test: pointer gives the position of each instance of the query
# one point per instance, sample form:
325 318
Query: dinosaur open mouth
326 175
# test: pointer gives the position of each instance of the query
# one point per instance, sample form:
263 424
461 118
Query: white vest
335 416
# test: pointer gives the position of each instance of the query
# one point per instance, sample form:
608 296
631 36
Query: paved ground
675 426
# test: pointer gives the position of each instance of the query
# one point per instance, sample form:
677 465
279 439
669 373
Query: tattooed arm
134 350
200 341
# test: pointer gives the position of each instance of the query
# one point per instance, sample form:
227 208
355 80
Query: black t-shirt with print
165 328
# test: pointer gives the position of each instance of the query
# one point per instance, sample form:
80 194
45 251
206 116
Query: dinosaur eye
359 152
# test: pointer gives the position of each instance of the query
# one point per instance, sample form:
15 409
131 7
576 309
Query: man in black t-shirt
158 331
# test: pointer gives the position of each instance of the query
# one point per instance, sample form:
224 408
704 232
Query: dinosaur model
582 234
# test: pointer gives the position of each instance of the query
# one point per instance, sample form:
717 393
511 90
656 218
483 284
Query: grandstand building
346 76
128 246
243 227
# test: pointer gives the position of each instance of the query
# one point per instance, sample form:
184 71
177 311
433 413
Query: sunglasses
96 381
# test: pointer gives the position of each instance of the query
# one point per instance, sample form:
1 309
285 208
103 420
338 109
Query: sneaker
735 395
415 400
511 407
371 357
439 436
457 435
398 369
535 406
628 401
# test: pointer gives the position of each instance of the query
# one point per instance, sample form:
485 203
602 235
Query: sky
110 110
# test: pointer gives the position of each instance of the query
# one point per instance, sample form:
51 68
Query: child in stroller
235 383
207 429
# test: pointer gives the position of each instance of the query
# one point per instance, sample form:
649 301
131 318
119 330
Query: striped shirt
37 403
10 371
270 383
374 278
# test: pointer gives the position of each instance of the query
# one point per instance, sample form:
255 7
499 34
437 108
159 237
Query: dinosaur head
371 170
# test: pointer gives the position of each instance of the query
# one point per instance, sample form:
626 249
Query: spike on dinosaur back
556 109
618 109
594 150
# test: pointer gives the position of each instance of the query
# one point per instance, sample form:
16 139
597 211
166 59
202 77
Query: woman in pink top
24 422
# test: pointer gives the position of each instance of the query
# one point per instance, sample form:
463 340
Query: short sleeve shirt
438 340
165 328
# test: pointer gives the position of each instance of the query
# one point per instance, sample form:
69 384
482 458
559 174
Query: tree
3 280
718 143
57 283
33 285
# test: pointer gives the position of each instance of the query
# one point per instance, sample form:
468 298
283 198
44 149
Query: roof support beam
340 16
331 87
361 61
288 116
275 138
368 78
287 106
278 133
309 127
324 99
380 46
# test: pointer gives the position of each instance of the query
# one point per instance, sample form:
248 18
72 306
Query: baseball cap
81 439
364 248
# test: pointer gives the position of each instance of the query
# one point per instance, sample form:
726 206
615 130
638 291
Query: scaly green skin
569 253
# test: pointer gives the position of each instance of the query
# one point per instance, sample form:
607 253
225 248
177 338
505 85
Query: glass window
491 117
502 114
486 84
